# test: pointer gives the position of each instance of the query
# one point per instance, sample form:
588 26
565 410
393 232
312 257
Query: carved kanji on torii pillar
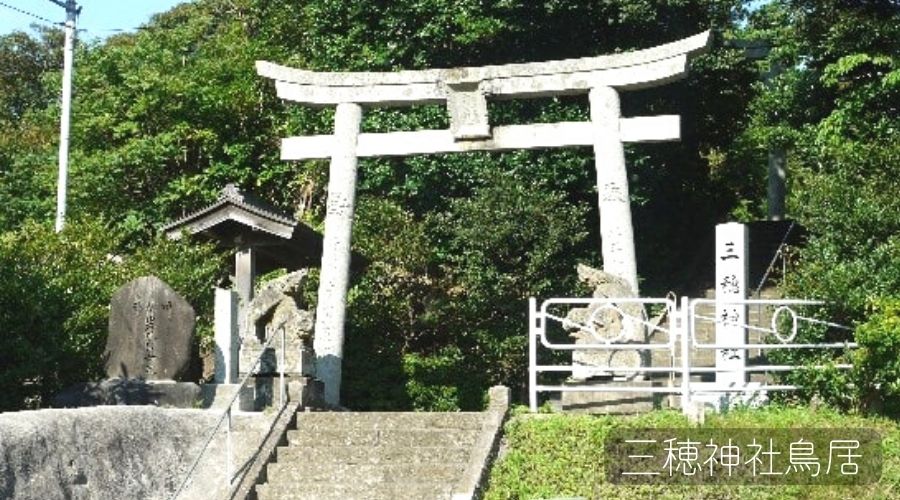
465 92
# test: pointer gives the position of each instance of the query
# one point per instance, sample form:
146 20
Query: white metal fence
673 345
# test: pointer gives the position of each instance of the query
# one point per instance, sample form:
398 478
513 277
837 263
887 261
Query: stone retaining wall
110 452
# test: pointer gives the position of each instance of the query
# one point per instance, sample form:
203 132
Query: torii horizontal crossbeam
505 138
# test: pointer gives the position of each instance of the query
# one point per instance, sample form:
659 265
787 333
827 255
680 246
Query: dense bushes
835 108
877 362
441 309
54 296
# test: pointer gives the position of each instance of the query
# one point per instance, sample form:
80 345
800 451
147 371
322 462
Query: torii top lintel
465 90
626 71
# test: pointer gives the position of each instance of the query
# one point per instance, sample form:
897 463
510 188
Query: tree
836 108
26 139
23 62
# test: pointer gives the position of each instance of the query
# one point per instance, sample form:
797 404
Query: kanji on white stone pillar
731 285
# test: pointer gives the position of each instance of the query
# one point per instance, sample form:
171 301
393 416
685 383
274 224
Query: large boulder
613 321
276 309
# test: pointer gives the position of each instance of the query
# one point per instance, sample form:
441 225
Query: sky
99 18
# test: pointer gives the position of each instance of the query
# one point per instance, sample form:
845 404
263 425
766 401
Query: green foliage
449 325
842 108
551 456
23 62
441 382
820 380
54 301
877 362
25 92
454 244
853 252
832 102
386 306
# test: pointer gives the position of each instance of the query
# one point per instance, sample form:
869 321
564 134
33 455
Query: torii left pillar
613 200
335 275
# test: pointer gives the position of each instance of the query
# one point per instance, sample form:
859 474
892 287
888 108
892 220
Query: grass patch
556 455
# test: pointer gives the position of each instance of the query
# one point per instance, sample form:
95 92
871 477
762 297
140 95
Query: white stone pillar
616 231
731 284
226 336
334 278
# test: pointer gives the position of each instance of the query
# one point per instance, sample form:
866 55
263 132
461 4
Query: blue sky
98 17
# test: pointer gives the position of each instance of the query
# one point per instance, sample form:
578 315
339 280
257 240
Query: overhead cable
25 12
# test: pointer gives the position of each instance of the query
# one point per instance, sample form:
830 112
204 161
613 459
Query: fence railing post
684 331
228 448
281 392
532 354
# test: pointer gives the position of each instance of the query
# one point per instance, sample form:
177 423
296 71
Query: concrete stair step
334 491
307 474
390 420
374 455
363 436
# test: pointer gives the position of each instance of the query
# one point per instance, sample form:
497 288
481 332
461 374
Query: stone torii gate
465 92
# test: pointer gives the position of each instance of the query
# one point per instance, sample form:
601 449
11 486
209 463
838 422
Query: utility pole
777 161
72 11
777 187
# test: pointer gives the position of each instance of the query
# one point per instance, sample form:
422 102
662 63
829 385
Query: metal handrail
778 253
537 335
226 414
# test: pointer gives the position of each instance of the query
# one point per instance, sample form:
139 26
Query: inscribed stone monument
150 332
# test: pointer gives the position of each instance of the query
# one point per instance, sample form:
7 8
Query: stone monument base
262 391
309 391
618 403
217 397
751 395
129 391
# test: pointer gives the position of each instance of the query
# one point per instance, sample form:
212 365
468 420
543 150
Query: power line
25 12
122 30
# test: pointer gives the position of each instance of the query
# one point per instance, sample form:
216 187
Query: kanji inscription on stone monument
150 331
